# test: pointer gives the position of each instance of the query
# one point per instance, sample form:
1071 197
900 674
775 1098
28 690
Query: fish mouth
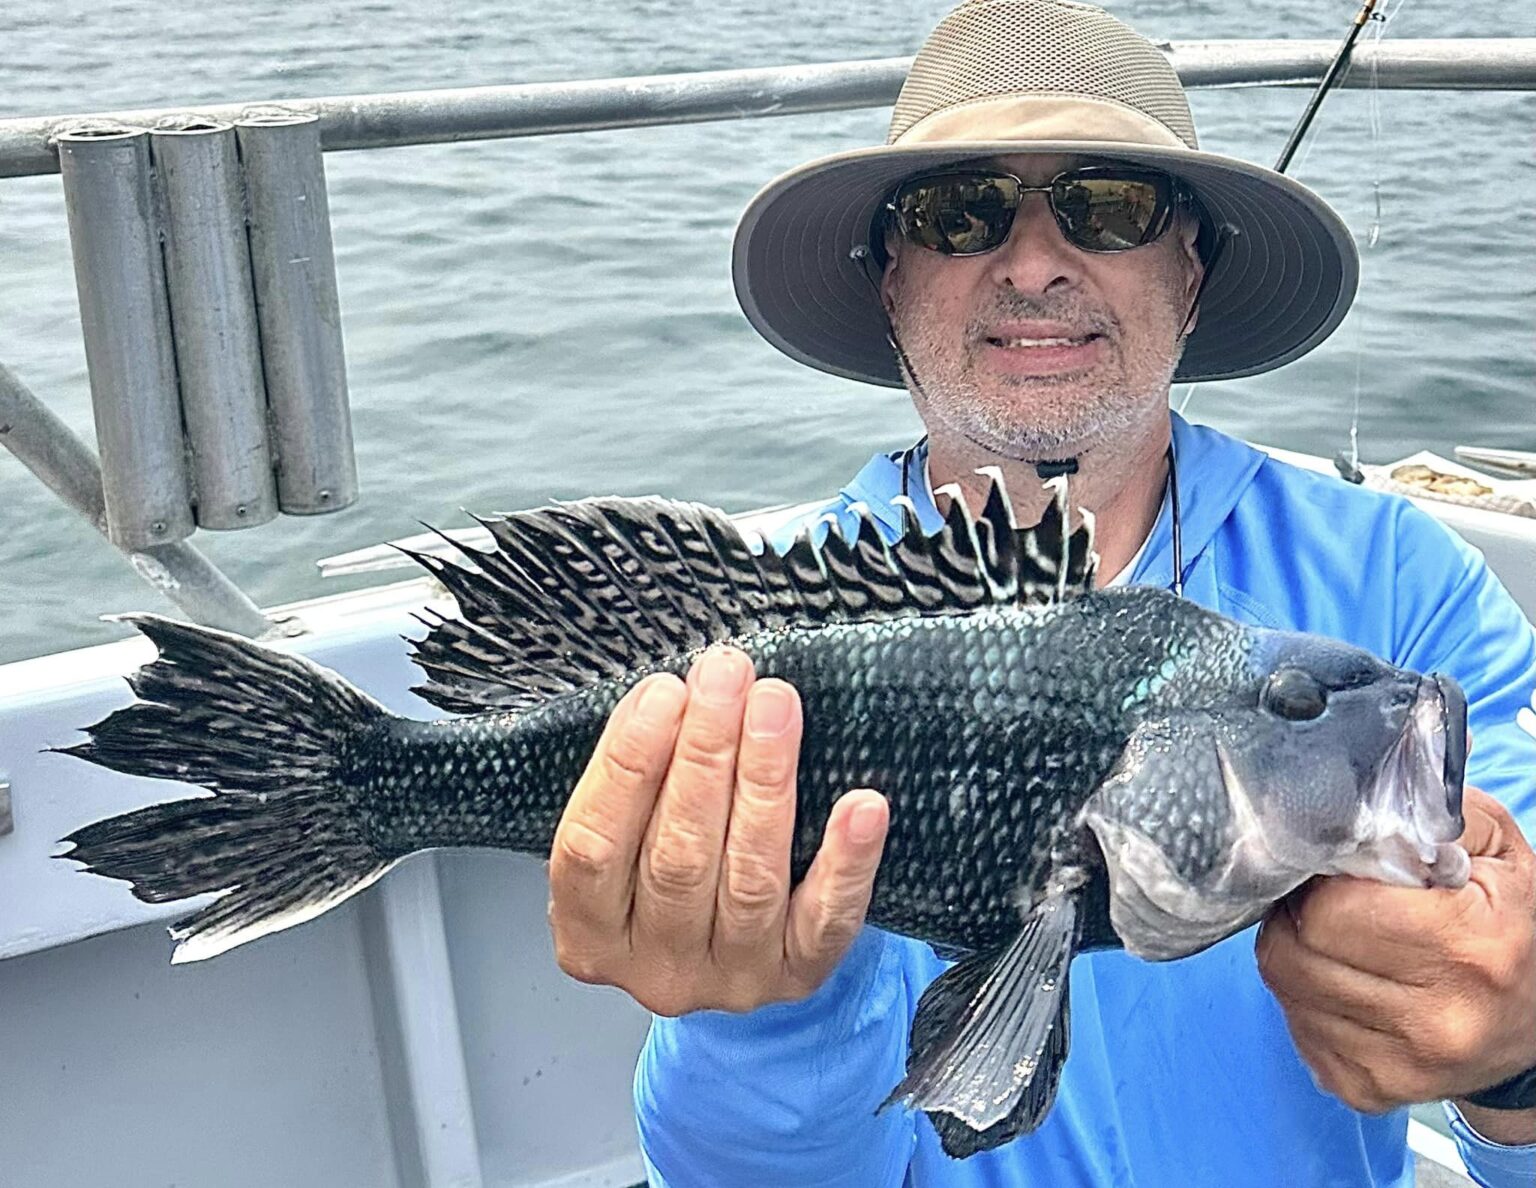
1413 816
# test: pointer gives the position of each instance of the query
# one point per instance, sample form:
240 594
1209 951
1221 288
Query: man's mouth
1042 349
1019 343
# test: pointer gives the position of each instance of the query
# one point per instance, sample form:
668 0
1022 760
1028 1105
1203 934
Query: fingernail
864 823
768 711
656 704
722 675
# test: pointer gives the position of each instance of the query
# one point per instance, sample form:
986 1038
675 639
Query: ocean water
553 317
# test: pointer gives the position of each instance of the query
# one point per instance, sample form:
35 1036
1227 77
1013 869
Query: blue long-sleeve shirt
1182 1073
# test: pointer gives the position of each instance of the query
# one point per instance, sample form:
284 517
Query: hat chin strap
1225 233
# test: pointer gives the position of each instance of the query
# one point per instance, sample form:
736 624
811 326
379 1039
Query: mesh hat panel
989 48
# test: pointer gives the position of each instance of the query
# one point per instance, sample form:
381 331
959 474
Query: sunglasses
1098 208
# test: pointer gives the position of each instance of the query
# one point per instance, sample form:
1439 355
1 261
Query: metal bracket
7 822
1516 463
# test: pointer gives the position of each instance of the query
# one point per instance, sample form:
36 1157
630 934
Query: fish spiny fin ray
582 591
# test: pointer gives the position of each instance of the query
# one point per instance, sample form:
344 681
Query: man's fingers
754 873
679 865
1355 1065
1305 980
1489 829
828 908
592 861
1333 914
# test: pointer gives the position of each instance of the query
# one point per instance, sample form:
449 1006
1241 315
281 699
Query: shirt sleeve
786 1094
1455 616
1491 1164
1478 634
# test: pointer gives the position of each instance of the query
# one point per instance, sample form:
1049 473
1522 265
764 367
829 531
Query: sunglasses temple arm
866 261
1224 234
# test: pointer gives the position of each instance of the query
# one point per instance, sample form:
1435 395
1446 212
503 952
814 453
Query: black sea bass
1067 768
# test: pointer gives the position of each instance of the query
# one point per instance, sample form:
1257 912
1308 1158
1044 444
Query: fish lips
1420 779
1453 709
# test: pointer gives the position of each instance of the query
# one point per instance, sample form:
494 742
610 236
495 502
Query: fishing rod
1335 68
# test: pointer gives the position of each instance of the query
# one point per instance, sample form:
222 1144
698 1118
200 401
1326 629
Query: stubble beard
1030 418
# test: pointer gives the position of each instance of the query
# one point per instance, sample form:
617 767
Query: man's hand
669 875
1397 995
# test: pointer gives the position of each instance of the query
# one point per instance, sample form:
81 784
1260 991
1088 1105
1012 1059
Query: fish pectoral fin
990 1036
950 953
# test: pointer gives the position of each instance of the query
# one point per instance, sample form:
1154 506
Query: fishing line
1330 76
1373 232
1349 466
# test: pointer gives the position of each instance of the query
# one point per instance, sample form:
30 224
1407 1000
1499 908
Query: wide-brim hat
1004 77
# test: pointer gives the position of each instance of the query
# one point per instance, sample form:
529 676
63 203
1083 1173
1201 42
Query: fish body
1067 768
990 732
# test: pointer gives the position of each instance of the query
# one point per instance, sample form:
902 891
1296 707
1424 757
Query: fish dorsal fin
578 592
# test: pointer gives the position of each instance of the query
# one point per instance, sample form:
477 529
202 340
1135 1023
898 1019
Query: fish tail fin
280 840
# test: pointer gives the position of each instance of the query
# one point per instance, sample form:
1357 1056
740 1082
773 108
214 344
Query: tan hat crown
992 49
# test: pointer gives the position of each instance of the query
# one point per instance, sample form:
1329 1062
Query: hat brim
1278 288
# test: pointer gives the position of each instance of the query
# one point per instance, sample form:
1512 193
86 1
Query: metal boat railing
537 109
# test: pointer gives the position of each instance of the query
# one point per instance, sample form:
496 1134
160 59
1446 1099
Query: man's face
1039 349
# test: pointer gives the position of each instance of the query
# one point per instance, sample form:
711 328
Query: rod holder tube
120 278
213 318
299 312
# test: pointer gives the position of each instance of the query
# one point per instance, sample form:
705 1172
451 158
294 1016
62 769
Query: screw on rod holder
7 822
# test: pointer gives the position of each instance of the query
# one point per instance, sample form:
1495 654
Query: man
1047 250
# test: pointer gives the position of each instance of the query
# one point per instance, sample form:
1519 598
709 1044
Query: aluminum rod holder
299 311
123 311
213 318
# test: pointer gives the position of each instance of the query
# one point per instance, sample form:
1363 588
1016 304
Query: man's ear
888 277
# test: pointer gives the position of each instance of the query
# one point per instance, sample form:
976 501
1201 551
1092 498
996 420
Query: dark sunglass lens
1109 214
960 215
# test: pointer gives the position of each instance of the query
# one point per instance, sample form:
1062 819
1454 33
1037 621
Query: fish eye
1293 695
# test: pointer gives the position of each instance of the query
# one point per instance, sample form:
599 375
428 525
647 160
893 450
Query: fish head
1317 759
1358 764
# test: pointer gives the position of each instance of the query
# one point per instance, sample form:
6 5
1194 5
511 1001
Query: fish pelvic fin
990 1036
579 592
265 732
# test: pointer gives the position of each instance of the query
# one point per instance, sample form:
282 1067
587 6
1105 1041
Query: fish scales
1067 768
988 733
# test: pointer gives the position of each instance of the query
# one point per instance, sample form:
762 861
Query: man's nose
1036 256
